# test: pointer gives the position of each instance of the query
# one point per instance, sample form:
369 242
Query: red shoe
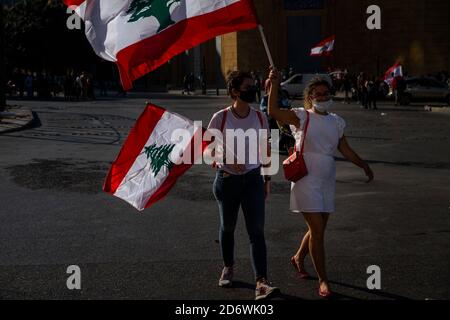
325 294
302 274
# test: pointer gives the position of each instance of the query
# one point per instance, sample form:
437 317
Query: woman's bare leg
316 224
302 252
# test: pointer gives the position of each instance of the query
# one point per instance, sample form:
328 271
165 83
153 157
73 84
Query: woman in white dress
314 195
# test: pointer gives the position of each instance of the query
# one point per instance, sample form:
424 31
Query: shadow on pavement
339 296
385 295
438 165
242 285
276 296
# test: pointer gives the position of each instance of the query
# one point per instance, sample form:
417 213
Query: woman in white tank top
314 195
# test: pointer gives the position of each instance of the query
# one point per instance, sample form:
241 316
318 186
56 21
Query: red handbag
295 167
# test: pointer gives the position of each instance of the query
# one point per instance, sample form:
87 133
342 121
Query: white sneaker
226 278
265 290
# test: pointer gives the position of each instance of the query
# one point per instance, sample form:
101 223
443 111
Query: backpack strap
304 134
222 127
306 131
224 120
260 117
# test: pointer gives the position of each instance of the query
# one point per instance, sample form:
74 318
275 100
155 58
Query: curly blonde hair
309 90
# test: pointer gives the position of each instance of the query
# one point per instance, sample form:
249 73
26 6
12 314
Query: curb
438 109
15 118
210 93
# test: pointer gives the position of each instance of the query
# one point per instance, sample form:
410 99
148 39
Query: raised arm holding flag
141 35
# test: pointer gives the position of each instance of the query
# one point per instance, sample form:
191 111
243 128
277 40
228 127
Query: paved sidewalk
15 118
198 92
442 109
398 223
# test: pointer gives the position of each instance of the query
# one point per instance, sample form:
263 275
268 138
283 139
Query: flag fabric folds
141 35
150 163
394 71
324 48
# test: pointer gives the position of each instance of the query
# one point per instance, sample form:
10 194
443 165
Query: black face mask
249 95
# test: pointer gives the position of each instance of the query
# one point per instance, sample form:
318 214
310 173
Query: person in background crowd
202 79
69 85
283 74
29 85
191 83
362 91
372 93
102 77
90 93
347 87
258 85
398 87
291 72
185 85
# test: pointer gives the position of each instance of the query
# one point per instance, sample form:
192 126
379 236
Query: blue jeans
246 191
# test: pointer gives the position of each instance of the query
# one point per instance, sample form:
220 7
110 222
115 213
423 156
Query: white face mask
322 106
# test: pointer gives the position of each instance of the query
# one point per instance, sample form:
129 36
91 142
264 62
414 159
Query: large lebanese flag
324 48
141 35
150 162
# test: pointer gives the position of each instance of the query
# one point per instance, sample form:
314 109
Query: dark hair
309 90
235 79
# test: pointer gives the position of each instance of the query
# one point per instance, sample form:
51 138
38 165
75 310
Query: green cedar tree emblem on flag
157 8
159 157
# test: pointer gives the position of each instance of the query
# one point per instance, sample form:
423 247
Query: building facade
414 32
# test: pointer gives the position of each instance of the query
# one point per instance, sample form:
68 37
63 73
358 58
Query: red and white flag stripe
79 6
142 180
128 33
324 48
395 70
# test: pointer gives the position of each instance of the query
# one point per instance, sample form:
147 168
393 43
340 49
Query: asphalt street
53 213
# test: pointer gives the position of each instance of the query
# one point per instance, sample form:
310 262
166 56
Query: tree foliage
159 157
160 9
37 37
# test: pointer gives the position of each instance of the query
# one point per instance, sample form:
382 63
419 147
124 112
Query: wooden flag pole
263 37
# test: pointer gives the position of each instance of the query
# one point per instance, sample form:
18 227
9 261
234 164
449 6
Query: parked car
295 85
425 89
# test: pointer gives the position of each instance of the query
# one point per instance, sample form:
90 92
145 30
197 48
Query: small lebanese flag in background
141 35
396 69
150 163
324 48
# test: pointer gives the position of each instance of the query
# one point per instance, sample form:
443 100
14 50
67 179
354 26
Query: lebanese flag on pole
324 48
141 35
150 162
396 69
